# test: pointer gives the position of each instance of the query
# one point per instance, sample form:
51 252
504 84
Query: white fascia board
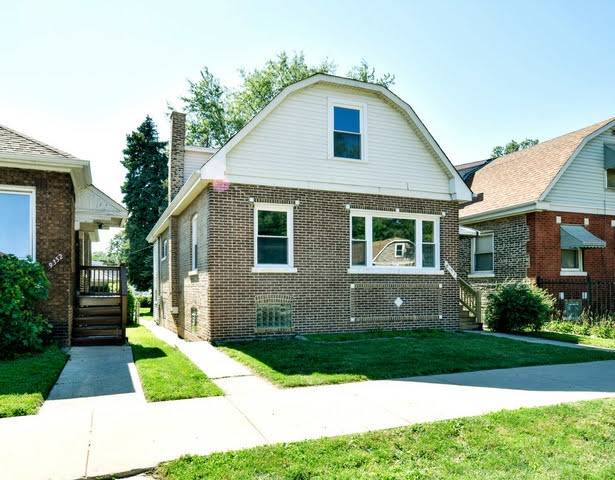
184 197
510 211
573 156
337 187
191 148
79 169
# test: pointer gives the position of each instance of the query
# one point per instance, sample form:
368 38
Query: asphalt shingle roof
523 176
15 142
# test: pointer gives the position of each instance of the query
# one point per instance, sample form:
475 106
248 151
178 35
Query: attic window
609 165
347 130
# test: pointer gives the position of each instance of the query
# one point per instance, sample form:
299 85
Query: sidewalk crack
249 421
87 455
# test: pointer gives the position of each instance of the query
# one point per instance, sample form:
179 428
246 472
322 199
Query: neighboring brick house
276 232
51 212
546 211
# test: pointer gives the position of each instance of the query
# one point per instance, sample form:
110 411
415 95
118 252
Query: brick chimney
176 153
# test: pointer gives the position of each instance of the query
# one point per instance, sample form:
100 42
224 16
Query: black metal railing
575 296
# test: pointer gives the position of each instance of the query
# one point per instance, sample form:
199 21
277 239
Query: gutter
509 211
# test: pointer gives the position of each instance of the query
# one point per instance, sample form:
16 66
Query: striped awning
576 236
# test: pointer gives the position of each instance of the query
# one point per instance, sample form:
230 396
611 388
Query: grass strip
165 372
575 440
26 381
296 363
573 338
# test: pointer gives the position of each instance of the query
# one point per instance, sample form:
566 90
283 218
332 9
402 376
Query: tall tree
145 197
216 112
512 146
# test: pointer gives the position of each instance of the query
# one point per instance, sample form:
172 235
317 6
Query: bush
131 306
145 301
22 283
595 326
518 306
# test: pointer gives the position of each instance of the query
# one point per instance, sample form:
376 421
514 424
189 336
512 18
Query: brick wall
176 153
545 251
511 258
55 234
225 289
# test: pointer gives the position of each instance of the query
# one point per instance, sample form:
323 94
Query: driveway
120 432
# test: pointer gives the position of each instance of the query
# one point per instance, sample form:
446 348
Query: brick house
51 212
276 232
546 211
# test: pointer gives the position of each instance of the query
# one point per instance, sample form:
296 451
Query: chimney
176 153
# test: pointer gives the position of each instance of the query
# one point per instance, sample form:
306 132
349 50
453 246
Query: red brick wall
321 290
545 251
55 234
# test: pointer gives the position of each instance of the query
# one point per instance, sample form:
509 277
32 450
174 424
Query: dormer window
347 130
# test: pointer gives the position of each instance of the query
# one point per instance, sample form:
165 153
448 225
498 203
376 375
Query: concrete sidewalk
129 436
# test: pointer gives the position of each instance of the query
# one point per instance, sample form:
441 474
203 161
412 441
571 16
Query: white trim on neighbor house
288 267
349 104
31 193
482 273
418 242
573 156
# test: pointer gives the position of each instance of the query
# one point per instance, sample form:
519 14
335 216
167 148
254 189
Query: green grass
26 381
327 359
575 440
146 312
572 338
165 372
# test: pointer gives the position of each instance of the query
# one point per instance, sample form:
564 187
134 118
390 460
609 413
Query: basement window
274 315
194 318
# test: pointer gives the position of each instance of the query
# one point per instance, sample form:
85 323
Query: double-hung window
195 243
347 130
273 236
18 221
387 242
572 260
482 254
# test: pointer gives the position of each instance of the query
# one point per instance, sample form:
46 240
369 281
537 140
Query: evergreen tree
145 196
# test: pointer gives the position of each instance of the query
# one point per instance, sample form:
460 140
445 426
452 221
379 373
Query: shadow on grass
292 362
141 352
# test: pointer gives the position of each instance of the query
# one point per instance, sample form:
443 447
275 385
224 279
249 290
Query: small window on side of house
164 250
572 259
482 253
195 246
194 319
399 250
610 178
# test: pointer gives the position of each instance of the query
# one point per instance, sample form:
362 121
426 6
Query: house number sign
55 261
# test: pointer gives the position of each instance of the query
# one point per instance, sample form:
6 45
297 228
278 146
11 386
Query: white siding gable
583 183
289 147
195 158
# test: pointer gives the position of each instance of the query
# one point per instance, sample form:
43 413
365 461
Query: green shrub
518 306
594 326
131 306
145 301
22 283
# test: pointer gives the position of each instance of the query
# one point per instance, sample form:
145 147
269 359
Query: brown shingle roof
523 176
15 142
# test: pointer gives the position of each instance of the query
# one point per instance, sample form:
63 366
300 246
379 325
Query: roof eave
78 169
509 211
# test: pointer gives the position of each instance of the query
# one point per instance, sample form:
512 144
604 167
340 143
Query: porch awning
468 232
576 236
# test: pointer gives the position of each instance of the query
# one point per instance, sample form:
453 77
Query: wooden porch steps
97 320
467 321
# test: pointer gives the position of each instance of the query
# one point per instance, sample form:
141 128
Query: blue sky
81 75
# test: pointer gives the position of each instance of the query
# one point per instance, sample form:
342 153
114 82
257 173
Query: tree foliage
216 112
22 283
512 146
117 252
145 197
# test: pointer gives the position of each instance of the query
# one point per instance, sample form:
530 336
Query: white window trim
571 272
362 107
385 269
165 250
31 192
194 242
483 273
268 267
401 254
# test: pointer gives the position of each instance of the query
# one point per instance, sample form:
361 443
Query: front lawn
575 440
165 372
326 359
572 338
26 381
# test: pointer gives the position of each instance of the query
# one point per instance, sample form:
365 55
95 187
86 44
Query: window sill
163 259
565 273
481 275
353 160
193 273
274 270
395 271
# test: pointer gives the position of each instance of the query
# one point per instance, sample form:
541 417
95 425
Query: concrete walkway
95 438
